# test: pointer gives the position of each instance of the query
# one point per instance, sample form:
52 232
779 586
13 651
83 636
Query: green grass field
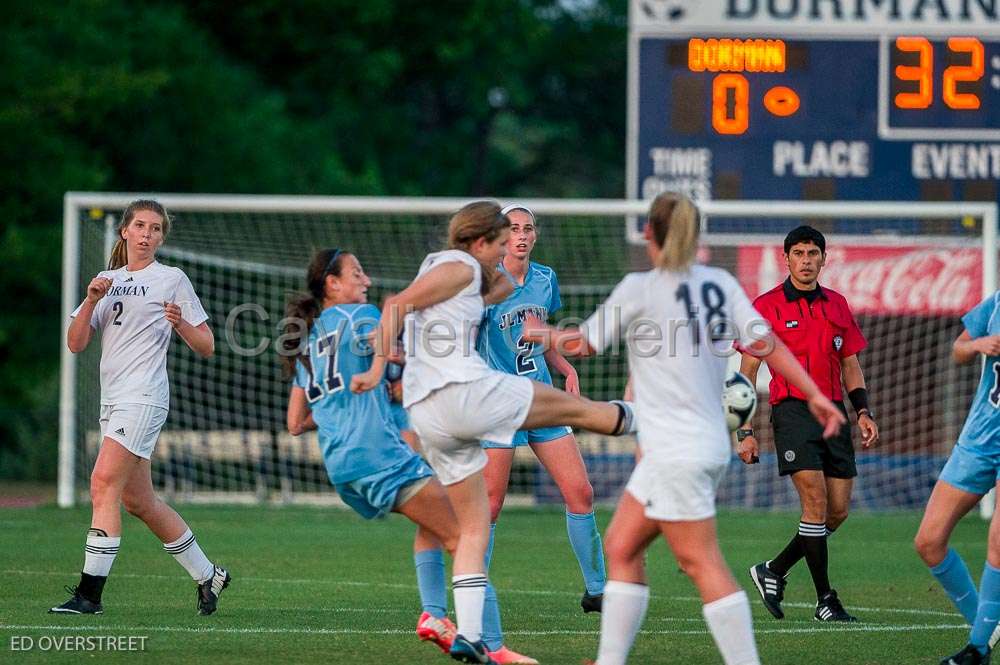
320 585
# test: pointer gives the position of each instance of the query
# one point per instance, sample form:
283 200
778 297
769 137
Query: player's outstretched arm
570 342
299 417
434 286
781 360
965 349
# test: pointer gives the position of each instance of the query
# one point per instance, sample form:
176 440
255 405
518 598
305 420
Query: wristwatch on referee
743 433
859 400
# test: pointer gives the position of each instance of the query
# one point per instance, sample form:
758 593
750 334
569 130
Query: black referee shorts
799 441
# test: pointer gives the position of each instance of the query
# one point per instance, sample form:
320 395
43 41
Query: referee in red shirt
817 326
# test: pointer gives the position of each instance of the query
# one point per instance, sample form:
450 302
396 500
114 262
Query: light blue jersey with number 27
357 434
982 426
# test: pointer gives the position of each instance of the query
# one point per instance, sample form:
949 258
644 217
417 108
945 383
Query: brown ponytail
303 308
119 254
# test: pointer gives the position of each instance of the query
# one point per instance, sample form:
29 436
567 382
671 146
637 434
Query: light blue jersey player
536 294
364 453
972 470
374 470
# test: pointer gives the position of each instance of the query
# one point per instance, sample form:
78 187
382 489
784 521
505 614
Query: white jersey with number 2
135 333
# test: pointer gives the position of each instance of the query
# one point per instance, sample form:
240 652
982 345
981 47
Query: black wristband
743 433
859 399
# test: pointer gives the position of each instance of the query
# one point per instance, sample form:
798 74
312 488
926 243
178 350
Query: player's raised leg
550 407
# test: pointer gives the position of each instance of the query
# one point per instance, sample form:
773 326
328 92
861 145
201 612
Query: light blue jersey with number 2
982 426
500 342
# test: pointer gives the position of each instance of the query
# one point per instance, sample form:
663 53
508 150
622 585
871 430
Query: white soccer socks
731 626
470 593
188 553
100 552
622 614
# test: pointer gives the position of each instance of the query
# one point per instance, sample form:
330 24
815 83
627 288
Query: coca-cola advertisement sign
880 280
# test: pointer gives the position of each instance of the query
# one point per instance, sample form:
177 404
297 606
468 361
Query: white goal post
89 220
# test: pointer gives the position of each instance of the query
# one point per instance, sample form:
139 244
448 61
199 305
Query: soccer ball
739 400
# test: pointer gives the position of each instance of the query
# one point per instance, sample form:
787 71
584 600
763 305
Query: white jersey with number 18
680 328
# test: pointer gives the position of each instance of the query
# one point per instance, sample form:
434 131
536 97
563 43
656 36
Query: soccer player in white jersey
972 470
455 400
366 457
680 321
137 304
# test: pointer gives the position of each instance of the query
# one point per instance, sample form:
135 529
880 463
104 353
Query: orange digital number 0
922 73
721 86
958 73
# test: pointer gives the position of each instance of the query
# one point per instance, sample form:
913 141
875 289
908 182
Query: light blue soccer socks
989 608
586 542
431 582
492 627
953 575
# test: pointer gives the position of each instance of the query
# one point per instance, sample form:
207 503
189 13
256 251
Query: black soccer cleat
591 603
78 604
210 590
968 656
829 609
465 651
771 588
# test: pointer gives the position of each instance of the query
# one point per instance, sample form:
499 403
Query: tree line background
321 97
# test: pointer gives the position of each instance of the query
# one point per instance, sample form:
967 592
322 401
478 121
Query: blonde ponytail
676 227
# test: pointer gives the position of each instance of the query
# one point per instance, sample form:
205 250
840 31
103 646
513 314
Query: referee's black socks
813 540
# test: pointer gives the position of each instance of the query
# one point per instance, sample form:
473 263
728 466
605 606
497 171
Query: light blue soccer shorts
375 495
525 436
971 471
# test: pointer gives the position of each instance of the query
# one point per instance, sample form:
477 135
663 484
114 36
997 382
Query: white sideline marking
505 590
881 628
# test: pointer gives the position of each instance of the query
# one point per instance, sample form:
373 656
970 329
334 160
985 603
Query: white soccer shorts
676 490
452 421
135 426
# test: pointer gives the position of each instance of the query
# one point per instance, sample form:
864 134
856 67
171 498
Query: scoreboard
817 100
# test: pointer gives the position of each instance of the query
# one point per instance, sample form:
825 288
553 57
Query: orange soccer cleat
504 656
439 631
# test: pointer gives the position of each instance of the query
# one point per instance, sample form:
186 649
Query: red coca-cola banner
880 280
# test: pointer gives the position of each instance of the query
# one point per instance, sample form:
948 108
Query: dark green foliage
335 97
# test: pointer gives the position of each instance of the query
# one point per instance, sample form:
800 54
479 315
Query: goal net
908 270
